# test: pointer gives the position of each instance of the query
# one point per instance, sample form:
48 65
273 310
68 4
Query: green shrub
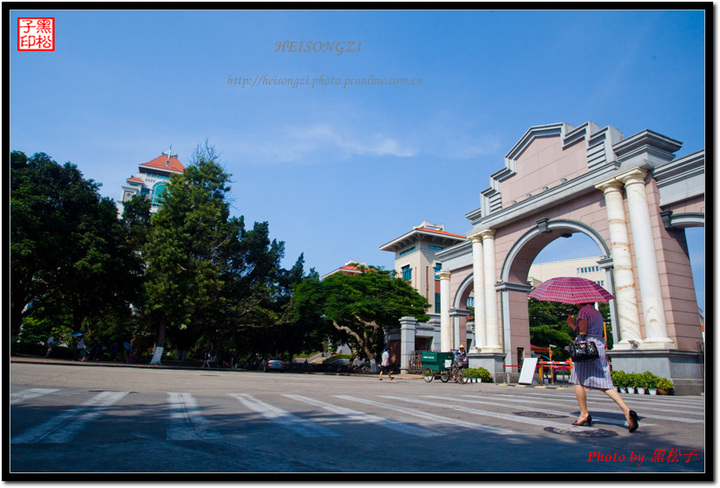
664 383
620 378
649 380
481 373
633 380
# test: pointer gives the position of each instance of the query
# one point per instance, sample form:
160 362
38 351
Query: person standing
385 364
596 373
50 344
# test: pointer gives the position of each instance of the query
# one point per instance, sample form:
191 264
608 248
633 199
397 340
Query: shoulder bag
583 350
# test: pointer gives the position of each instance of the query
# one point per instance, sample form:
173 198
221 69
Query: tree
70 258
184 250
360 306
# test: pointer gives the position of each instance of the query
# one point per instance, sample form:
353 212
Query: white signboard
528 371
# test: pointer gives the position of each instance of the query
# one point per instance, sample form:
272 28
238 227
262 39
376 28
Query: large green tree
70 257
361 306
185 247
209 281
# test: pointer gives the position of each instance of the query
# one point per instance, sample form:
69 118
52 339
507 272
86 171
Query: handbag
583 350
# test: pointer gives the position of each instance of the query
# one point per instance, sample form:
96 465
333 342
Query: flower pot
640 390
652 391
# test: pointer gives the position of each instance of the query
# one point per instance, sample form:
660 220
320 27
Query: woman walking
595 374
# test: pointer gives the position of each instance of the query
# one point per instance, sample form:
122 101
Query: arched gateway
630 197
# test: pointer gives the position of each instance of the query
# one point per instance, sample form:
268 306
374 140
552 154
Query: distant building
151 180
350 268
581 267
415 258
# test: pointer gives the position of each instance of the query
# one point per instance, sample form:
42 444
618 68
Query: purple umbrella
573 290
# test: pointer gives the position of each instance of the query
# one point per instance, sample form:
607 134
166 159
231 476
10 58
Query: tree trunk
160 343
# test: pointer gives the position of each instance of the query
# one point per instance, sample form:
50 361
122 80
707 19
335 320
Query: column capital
444 274
636 175
609 186
476 237
487 233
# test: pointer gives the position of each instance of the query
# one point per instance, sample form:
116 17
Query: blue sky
338 170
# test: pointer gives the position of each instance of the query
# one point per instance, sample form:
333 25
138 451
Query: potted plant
664 386
632 382
621 380
651 382
616 377
473 374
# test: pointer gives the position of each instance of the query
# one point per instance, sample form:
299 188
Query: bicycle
457 373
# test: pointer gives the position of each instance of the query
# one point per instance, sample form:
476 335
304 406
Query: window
437 269
437 303
436 248
407 251
406 273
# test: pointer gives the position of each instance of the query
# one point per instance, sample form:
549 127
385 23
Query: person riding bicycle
460 357
460 361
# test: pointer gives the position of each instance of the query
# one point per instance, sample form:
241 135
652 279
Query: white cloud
305 143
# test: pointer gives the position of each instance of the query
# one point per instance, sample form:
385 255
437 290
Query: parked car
274 364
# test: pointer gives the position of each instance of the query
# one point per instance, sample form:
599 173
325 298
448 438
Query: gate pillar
646 258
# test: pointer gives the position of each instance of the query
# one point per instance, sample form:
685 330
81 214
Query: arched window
157 192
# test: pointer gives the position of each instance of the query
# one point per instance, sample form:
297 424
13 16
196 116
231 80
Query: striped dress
593 374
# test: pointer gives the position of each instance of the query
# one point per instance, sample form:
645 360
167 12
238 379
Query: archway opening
577 255
552 241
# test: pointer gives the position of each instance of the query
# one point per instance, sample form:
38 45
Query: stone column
491 306
625 296
445 325
646 259
407 341
479 289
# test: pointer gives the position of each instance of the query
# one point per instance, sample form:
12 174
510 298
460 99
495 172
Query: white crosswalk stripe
186 420
651 400
486 413
438 419
357 416
543 409
645 411
29 394
283 418
64 427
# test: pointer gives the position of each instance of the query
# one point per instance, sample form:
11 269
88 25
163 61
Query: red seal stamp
36 33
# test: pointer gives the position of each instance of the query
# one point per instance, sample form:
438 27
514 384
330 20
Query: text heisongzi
318 46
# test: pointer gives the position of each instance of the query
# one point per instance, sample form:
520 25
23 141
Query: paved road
78 418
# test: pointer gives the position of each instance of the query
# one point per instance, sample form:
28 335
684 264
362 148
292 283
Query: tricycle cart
441 364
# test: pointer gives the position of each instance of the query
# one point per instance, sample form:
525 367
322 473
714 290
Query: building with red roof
151 180
415 258
350 268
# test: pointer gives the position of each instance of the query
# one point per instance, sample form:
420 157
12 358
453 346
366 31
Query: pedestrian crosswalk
184 417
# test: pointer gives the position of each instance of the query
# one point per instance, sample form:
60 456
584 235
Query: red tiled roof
160 162
133 178
441 232
349 268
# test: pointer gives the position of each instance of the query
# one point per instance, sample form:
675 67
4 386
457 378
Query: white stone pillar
445 325
491 306
479 289
625 295
646 259
407 341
